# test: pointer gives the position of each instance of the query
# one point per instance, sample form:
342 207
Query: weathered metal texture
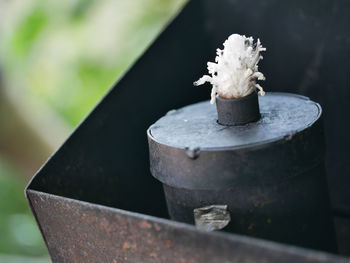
270 173
77 231
238 111
105 161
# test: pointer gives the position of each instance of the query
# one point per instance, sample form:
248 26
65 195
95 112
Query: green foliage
80 9
69 53
19 233
28 32
62 56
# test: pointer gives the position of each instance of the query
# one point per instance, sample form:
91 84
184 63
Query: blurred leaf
63 56
28 31
80 9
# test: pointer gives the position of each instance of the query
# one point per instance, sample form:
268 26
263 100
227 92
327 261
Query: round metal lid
195 126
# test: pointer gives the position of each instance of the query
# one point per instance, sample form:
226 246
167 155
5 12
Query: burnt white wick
235 72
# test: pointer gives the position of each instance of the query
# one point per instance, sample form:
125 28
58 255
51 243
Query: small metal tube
238 111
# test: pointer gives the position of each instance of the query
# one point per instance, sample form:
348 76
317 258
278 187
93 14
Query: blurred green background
57 60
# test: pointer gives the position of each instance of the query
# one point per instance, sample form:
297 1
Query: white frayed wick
235 72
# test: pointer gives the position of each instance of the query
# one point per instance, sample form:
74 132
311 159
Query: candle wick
234 74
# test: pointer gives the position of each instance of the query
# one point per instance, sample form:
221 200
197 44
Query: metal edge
308 254
28 193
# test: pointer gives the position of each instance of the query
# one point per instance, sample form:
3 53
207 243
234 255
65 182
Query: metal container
270 173
95 199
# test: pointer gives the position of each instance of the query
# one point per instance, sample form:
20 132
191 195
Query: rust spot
145 225
169 243
269 220
157 227
128 245
251 226
153 255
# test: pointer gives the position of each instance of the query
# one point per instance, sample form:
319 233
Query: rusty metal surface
77 231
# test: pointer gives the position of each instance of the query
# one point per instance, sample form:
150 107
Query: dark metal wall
308 52
106 161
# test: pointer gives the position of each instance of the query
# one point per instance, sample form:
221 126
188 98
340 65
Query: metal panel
77 231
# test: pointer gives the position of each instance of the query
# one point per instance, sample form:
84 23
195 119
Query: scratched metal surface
81 232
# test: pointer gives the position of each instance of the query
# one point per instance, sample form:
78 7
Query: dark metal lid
195 126
189 149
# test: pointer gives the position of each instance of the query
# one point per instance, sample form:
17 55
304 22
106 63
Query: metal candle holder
270 173
95 199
